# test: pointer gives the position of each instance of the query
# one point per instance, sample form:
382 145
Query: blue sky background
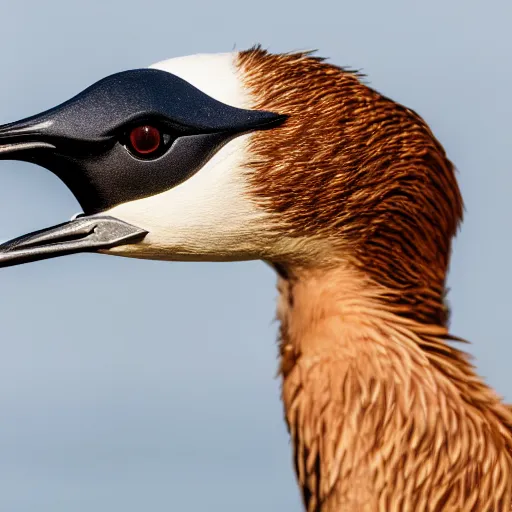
137 385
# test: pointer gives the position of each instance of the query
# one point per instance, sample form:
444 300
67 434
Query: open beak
31 140
84 234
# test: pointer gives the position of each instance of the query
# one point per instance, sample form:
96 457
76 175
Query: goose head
248 155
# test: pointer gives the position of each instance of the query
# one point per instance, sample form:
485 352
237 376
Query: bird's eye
145 140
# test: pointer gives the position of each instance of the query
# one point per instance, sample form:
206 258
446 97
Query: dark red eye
145 139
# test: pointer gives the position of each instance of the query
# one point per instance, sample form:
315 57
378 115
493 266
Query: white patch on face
214 74
209 216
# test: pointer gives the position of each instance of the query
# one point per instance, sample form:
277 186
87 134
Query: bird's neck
381 409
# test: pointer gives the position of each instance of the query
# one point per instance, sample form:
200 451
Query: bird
352 200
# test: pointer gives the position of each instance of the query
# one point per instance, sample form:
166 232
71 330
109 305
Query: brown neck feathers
384 414
354 167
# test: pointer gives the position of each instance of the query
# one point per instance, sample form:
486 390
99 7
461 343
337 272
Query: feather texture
384 412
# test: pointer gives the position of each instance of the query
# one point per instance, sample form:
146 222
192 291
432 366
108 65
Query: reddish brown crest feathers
383 413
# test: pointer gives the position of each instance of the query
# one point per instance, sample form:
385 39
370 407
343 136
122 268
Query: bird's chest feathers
373 422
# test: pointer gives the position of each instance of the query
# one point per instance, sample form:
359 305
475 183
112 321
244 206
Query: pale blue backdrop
135 385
